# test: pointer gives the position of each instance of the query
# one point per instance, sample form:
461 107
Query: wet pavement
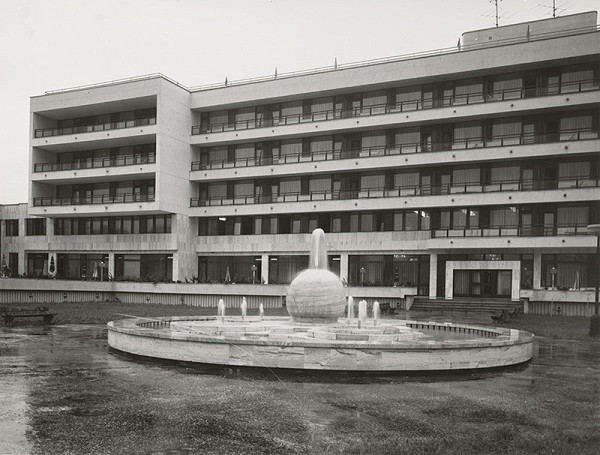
61 391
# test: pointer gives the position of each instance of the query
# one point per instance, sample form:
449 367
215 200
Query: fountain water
316 338
350 307
244 308
376 312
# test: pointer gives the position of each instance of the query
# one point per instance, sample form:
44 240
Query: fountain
316 337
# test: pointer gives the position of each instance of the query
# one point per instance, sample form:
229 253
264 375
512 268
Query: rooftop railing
342 66
404 106
91 163
409 148
402 191
49 132
93 200
398 58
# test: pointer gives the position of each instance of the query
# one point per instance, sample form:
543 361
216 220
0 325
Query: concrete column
433 261
264 268
449 295
111 265
49 228
175 262
22 226
537 269
515 293
22 261
344 267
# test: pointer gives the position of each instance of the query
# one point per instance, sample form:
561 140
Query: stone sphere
316 296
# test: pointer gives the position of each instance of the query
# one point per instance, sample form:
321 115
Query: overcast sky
52 44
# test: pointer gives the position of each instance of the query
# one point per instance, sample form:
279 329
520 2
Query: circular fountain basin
276 342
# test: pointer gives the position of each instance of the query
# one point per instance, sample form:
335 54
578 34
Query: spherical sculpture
316 295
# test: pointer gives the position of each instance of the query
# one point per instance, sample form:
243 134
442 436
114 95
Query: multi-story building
470 171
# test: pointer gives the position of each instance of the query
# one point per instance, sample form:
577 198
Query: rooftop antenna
496 4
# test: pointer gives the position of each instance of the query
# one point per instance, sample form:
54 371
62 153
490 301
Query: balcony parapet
511 231
93 200
404 106
404 191
49 132
122 160
404 149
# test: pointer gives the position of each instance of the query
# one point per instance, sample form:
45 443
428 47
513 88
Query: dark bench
10 314
386 308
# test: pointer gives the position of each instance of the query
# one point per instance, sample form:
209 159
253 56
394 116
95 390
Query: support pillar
344 267
264 268
537 269
433 261
111 265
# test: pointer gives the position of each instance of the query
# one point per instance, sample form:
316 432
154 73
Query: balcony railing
93 200
409 148
511 231
404 106
403 191
121 160
48 132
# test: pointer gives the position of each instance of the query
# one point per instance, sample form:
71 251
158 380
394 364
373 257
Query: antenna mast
496 4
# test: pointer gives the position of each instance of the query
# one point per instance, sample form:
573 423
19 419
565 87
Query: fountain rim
501 336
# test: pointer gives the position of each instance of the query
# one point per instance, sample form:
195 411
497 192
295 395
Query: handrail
403 191
90 163
92 200
408 148
511 231
403 106
142 121
116 82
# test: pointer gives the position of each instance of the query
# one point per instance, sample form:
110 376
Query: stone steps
475 305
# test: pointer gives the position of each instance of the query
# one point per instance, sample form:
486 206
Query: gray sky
52 44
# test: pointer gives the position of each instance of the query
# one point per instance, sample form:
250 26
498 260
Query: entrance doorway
482 283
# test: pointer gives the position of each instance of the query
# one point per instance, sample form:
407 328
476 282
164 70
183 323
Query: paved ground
62 392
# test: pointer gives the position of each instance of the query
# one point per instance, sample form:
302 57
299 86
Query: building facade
470 171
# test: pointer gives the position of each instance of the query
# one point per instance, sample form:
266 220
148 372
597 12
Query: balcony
403 191
512 231
93 200
410 148
93 163
49 132
404 106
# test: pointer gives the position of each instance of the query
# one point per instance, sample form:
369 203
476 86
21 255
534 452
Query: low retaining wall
19 290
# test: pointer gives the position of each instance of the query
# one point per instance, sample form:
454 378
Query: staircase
465 304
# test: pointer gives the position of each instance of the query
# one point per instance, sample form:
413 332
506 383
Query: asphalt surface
62 391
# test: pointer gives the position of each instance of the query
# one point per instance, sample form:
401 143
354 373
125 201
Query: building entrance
482 283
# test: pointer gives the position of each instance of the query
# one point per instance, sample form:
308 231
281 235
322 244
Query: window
571 271
283 269
506 87
12 228
575 80
568 219
151 224
35 226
